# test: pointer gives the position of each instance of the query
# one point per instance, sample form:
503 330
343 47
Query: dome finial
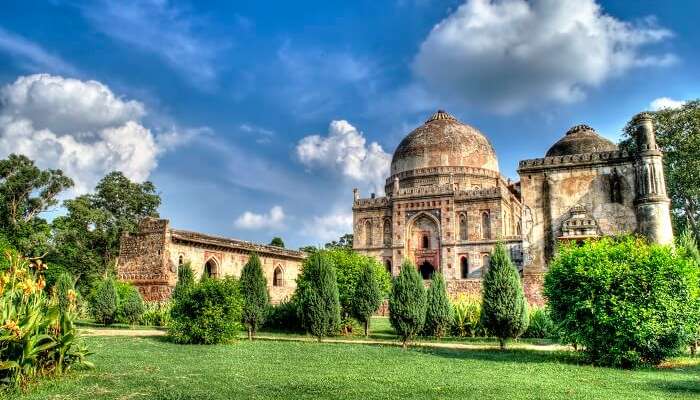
440 114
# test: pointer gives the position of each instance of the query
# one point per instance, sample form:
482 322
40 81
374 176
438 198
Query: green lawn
151 368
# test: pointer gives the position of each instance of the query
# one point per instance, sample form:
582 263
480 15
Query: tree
103 302
368 296
185 279
130 305
678 135
688 248
407 303
345 242
626 302
317 296
277 241
438 315
255 297
25 192
64 284
504 308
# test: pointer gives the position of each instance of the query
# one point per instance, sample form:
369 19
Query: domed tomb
443 141
579 140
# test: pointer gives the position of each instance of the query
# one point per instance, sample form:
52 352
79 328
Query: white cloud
264 136
274 219
32 56
344 150
161 28
328 227
80 127
507 54
665 103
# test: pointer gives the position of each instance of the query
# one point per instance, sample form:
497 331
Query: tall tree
317 296
255 296
368 296
407 303
344 242
438 315
277 241
25 192
678 135
504 308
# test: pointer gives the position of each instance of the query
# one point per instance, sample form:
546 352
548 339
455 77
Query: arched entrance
426 270
211 269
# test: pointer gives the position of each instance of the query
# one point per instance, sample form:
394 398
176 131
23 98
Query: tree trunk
693 348
502 343
367 328
250 333
403 345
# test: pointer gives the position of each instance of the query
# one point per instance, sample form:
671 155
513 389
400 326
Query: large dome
579 140
443 141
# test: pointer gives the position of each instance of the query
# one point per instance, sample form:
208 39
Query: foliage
625 301
688 248
368 296
207 312
467 316
103 302
130 305
317 296
678 136
407 303
277 241
438 315
87 237
156 313
64 284
283 317
255 296
540 325
503 309
25 192
185 280
344 242
37 338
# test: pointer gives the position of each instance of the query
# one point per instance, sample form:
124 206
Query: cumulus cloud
80 127
344 150
328 227
505 54
274 219
32 56
665 103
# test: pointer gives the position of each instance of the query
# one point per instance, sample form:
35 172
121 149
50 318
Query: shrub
130 306
368 296
688 248
407 303
255 296
156 313
103 302
63 285
185 279
438 315
503 308
317 292
207 312
626 302
467 316
540 325
283 317
36 338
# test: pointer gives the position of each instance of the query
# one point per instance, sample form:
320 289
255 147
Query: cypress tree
255 296
368 296
104 302
185 280
318 296
407 303
504 309
438 316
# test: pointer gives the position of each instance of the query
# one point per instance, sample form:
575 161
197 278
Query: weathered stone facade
447 205
150 258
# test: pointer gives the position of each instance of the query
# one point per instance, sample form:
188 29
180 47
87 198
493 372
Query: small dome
443 141
579 140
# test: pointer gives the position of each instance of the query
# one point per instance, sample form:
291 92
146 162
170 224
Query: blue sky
257 119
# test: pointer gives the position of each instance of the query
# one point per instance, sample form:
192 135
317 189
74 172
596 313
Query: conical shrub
407 303
255 296
438 316
318 296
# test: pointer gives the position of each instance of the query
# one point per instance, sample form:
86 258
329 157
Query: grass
152 368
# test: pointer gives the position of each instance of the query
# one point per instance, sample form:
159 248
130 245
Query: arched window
485 261
180 260
463 227
211 269
368 233
387 264
426 242
464 263
278 277
518 228
485 225
387 232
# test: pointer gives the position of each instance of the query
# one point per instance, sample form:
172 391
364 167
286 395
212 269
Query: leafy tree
345 242
368 296
626 302
438 315
688 248
130 305
255 297
407 303
317 296
277 241
309 249
25 192
64 284
678 135
504 308
87 238
103 302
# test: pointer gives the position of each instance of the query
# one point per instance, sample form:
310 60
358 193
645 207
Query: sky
257 119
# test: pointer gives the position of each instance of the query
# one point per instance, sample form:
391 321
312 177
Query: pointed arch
211 268
463 234
464 267
387 232
368 233
278 277
485 225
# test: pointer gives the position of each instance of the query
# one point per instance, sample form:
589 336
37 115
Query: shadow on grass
691 387
509 355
